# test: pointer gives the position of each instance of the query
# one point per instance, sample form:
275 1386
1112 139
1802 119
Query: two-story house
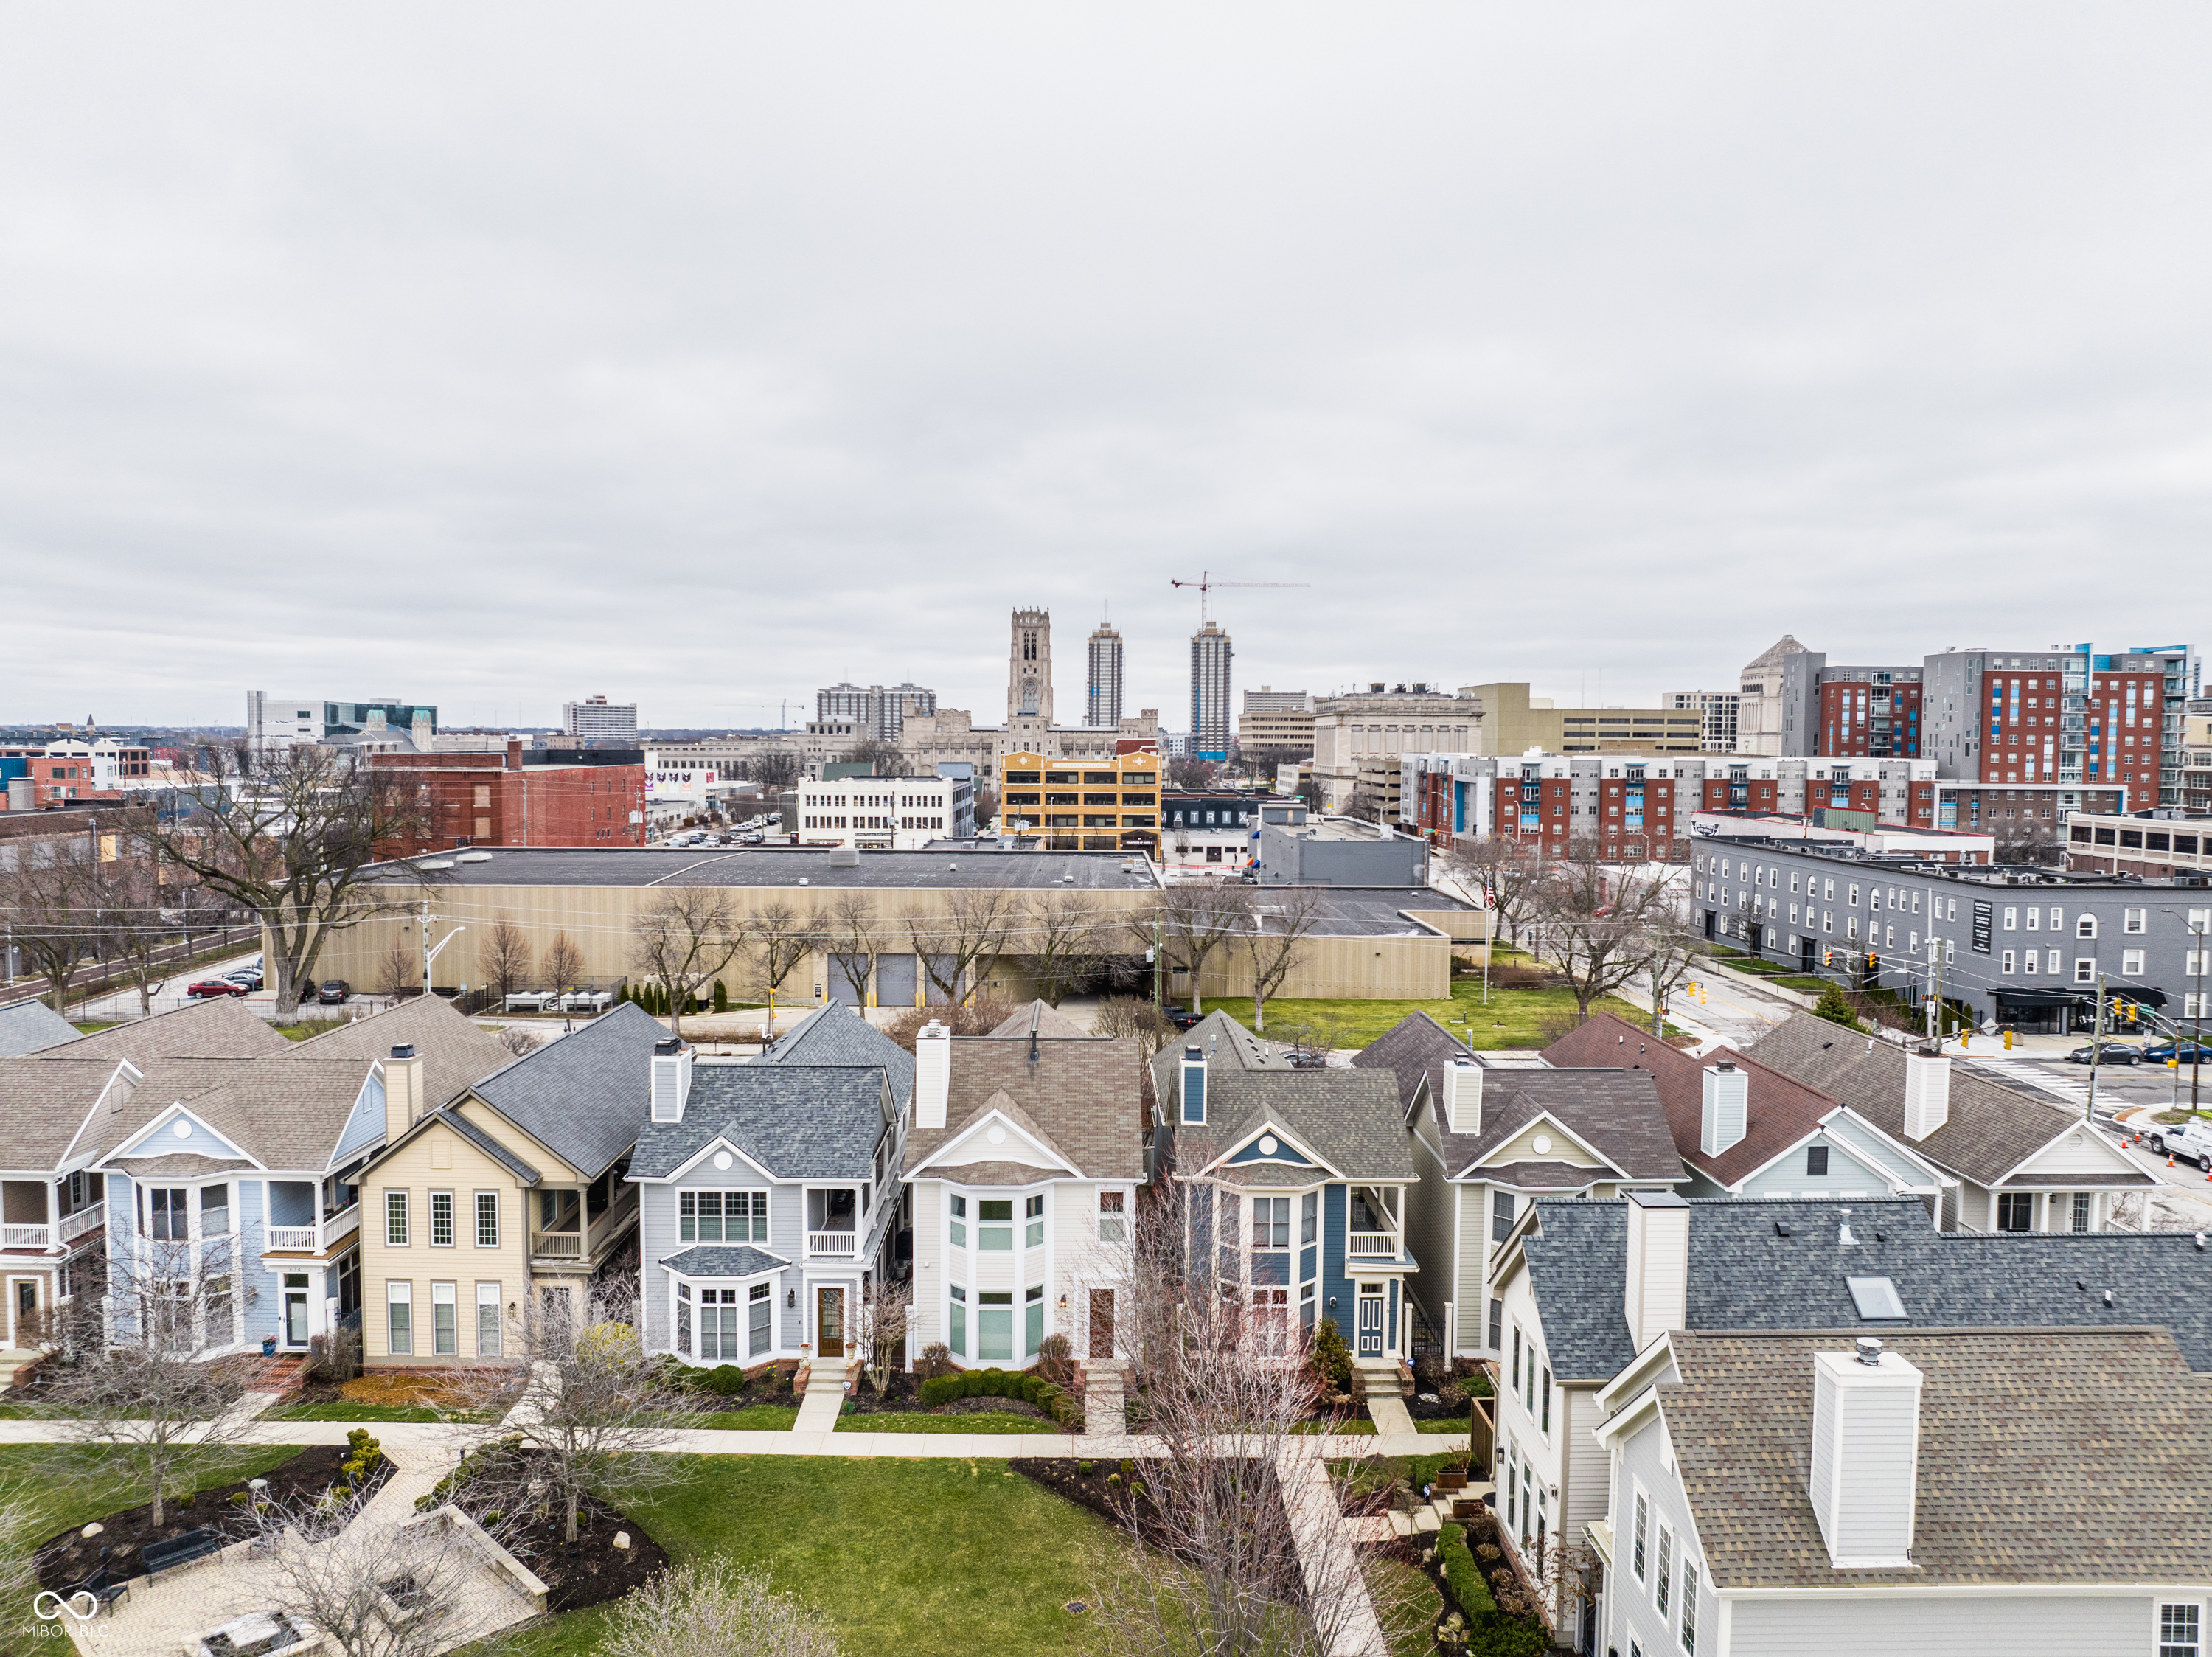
1489 1135
501 1197
1295 1188
1023 1166
1745 1129
2021 1163
1773 1493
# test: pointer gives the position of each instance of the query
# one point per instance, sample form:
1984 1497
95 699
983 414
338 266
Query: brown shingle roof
1050 1021
2047 1456
457 1053
1081 1095
1782 1110
201 1029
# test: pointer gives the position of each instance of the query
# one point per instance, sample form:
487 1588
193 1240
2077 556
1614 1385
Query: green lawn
1514 1017
936 1558
1440 1426
753 1418
343 1410
983 1420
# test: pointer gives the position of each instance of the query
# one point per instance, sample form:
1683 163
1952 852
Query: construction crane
1205 584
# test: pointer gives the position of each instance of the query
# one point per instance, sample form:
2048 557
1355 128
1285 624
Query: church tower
1028 669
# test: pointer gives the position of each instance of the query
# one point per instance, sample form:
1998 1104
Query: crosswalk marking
2027 1073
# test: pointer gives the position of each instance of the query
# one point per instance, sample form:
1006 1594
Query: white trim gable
1016 1144
1323 1173
718 1142
1934 1181
1539 1119
136 1145
2079 1150
1938 1178
100 1105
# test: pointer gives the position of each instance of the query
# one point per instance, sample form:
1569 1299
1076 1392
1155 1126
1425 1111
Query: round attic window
997 1135
723 1159
1267 1146
182 1130
1541 1144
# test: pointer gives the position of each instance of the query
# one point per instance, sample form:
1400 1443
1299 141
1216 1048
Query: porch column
54 1214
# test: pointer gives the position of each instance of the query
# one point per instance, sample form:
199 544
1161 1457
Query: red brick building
1867 711
503 799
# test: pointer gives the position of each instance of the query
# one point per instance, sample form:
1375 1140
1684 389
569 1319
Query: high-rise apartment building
874 710
596 716
1847 712
1210 660
1718 710
1104 710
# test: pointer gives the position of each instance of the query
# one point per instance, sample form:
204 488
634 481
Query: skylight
1875 1297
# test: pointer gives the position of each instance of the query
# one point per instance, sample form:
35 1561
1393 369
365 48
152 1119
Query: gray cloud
703 355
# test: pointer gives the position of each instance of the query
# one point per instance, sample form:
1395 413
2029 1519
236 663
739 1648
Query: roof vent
2200 1242
844 857
406 1050
2108 1297
1869 1351
1781 1227
1844 1237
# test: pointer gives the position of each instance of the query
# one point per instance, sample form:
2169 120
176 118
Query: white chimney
1866 1455
1927 1093
403 1091
1658 1288
672 1079
1728 1102
932 1073
1464 1096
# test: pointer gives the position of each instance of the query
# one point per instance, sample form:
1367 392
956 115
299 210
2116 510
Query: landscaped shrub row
1464 1577
1004 1383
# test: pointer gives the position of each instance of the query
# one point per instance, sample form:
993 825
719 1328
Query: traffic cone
2169 1159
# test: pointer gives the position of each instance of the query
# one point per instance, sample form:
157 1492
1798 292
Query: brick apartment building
2067 715
71 772
523 797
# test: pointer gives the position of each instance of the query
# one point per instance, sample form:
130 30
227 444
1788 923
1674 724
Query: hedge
1004 1383
1464 1577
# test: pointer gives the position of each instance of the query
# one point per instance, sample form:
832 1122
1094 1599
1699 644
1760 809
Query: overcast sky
493 355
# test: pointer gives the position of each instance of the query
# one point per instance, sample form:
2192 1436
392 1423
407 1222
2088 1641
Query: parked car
209 987
248 976
2113 1053
333 991
2190 1140
1182 1017
2188 1052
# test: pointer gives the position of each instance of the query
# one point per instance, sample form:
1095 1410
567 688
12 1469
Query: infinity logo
81 1604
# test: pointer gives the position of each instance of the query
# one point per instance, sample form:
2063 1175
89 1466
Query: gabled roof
1227 1044
584 1095
484 1141
1743 1274
1049 1020
736 1260
1781 1112
839 1035
44 1102
29 1025
1991 1129
1616 1112
457 1051
797 1121
2028 1472
220 1028
1079 1094
1351 1119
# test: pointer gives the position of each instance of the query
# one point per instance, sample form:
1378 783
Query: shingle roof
2045 1456
1781 1111
457 1053
1743 1276
838 1035
198 1029
1351 1118
1991 1129
1227 1044
1050 1021
44 1102
183 1165
1616 1112
1081 1095
743 1260
998 1174
27 1027
584 1095
797 1121
489 1144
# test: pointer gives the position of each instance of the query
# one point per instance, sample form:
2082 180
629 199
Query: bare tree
564 963
849 934
712 1608
683 939
585 1403
775 770
883 758
1127 1016
1281 921
153 1372
398 967
1187 775
18 1528
1059 938
1196 919
1501 872
877 1325
292 835
1594 920
51 897
1668 959
971 927
504 955
136 933
781 935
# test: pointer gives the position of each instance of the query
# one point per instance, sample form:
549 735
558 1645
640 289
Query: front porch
577 1227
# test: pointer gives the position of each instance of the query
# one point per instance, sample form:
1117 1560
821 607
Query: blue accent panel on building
1271 1270
1282 1153
202 1140
1194 1093
1309 1259
1390 1320
1335 1282
366 1126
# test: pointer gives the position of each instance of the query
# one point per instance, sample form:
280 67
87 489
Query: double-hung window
995 1229
1033 1219
444 1321
760 1306
1690 1605
956 1323
399 1315
1662 1577
1643 1529
1113 1226
1271 1222
1501 1216
1309 1217
487 1219
959 1225
395 1219
487 1321
721 1216
2181 1630
718 1324
441 1219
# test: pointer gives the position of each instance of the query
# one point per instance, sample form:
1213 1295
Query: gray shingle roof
43 1104
26 1026
1080 1095
584 1095
1991 1129
797 1121
1745 1276
1049 1021
199 1029
457 1051
1351 1118
2048 1456
838 1035
484 1142
707 1260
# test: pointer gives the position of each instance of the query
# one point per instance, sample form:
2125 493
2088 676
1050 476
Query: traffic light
2008 1041
1872 963
1965 1031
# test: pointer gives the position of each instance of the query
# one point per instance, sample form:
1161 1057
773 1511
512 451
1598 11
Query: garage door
895 980
840 990
936 996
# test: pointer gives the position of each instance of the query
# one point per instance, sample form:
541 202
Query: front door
23 1303
830 1322
1101 1323
295 1308
1370 1320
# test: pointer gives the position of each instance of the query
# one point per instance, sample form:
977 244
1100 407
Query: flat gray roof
1363 912
785 866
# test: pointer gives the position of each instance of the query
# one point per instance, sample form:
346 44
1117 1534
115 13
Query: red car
213 987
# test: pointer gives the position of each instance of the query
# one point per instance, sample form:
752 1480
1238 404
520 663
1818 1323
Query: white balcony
337 1227
87 1219
592 1241
833 1245
292 1239
1371 1246
27 1236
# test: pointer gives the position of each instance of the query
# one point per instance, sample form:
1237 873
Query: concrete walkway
824 1398
1327 1558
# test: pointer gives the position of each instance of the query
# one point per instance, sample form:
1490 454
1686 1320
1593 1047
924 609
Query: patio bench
104 1586
159 1556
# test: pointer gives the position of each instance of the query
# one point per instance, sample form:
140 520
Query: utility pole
2096 1049
2196 1042
1159 966
1935 987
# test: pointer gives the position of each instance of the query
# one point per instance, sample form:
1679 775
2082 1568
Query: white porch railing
38 1236
343 1223
833 1245
86 1218
300 1239
1372 1245
557 1245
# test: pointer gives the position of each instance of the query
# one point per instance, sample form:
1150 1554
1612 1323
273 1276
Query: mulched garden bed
72 1556
590 1570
